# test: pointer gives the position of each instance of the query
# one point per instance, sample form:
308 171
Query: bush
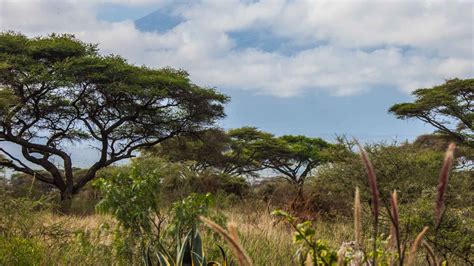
406 168
17 250
131 195
454 236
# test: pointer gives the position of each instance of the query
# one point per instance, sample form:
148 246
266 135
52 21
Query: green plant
190 252
131 196
18 250
185 213
310 248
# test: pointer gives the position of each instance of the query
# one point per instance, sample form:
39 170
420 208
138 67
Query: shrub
407 168
18 250
185 214
131 195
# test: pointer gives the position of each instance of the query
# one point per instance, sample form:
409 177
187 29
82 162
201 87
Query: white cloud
354 45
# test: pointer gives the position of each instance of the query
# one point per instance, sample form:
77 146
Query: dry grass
86 223
266 240
269 241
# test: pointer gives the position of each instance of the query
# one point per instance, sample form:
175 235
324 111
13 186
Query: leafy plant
131 196
190 252
186 213
310 248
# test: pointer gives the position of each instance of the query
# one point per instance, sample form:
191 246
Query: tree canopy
448 107
229 153
57 89
294 157
247 151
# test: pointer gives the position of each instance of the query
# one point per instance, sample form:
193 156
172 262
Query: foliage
407 168
448 107
185 182
439 142
18 231
29 235
203 150
294 157
247 151
185 214
229 153
20 251
58 89
454 236
131 195
309 247
190 252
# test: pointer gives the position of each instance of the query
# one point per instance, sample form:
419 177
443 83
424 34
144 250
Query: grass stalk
443 182
375 196
231 237
415 245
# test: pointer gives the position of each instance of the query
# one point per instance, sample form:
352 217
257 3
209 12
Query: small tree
56 90
448 107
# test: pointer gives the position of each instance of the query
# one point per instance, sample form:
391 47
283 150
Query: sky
317 68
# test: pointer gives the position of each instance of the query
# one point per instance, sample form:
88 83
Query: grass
89 240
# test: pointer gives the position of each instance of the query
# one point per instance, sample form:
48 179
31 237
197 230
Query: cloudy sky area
317 68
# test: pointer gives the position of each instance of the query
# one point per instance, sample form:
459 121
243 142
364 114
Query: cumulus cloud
340 47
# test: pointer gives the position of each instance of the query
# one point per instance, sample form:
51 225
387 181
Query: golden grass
269 241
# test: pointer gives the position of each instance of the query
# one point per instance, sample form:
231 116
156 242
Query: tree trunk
66 201
298 201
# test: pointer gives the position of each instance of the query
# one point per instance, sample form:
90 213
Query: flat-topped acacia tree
58 90
448 107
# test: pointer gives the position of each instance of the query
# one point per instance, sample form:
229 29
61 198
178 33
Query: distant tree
229 153
203 150
247 151
294 157
56 90
448 107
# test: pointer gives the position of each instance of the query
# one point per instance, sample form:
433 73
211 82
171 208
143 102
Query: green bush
453 238
185 214
18 250
407 168
131 195
177 186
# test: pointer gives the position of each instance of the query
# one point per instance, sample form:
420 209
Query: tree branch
21 167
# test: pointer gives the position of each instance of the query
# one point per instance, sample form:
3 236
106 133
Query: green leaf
197 253
224 256
162 259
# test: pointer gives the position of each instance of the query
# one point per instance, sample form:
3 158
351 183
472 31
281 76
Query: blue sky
317 68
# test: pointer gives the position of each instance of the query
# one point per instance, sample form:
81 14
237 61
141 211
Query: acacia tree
203 151
448 107
294 157
56 90
230 153
247 151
